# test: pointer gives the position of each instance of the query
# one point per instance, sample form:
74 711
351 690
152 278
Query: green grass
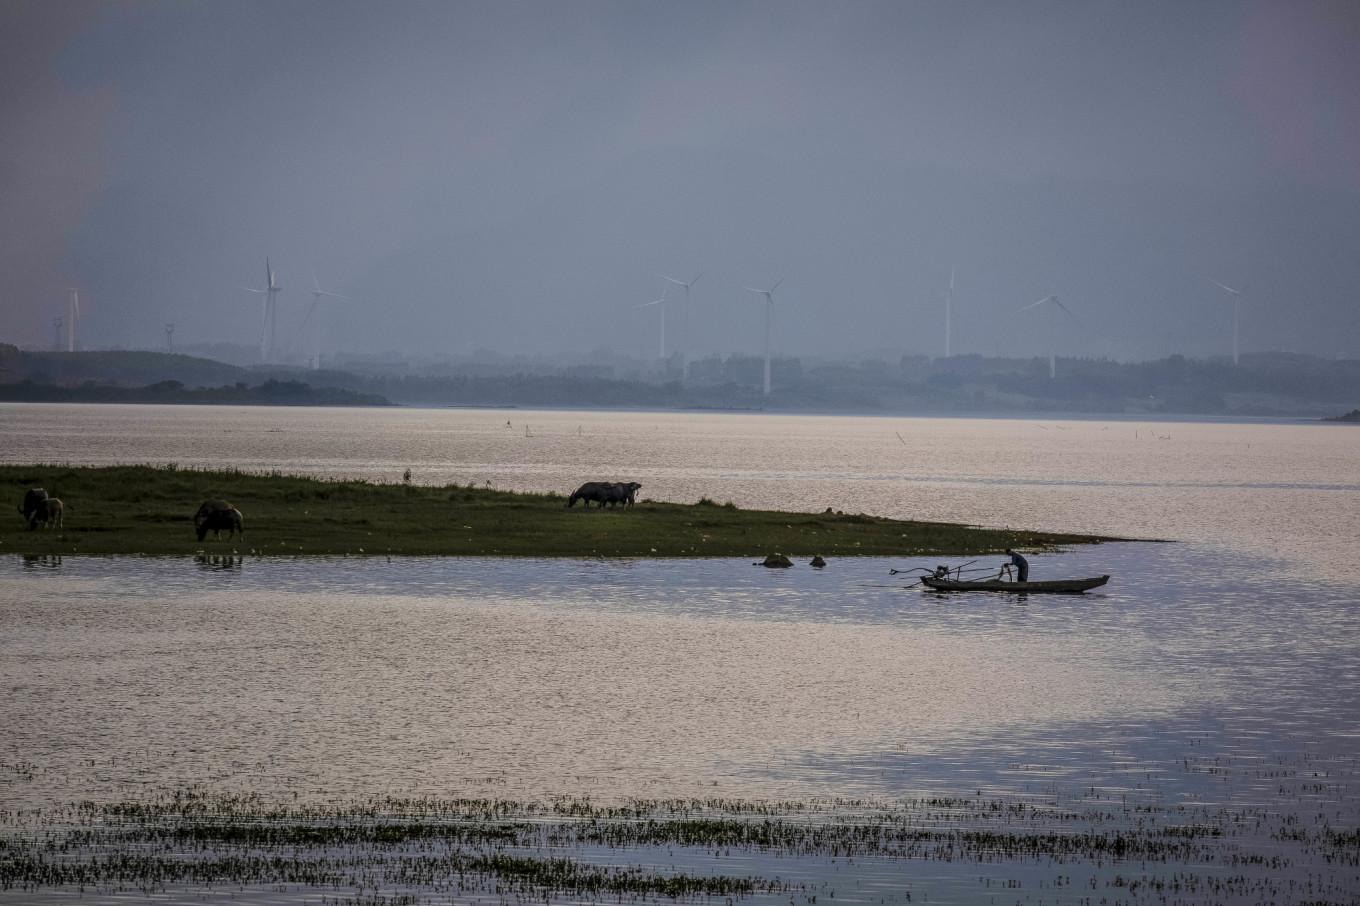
149 510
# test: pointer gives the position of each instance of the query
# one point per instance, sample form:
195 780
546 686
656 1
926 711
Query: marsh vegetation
150 509
426 849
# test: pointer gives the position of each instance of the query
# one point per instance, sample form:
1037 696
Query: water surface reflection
639 678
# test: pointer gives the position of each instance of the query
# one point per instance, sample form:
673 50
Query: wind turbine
948 315
270 320
684 338
1237 306
317 295
72 314
56 323
169 337
1052 356
769 312
661 302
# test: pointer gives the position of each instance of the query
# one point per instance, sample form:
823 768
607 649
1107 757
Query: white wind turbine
684 331
315 312
270 320
662 304
948 317
769 313
1237 311
72 315
1052 356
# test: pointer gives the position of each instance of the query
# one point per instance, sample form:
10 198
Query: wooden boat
1055 587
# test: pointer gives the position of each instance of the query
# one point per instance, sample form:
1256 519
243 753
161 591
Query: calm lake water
1285 492
1213 682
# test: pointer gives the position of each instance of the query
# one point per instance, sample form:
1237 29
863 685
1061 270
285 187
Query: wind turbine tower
662 303
317 295
57 322
1052 356
72 313
1237 312
684 332
769 313
948 316
169 336
270 319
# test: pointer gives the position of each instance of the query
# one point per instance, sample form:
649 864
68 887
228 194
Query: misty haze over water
515 177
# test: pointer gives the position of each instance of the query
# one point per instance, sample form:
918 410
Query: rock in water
817 562
777 561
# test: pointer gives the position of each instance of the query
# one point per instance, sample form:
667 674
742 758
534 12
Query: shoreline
148 511
1037 415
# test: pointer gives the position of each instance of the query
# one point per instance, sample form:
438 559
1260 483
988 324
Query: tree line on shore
1264 384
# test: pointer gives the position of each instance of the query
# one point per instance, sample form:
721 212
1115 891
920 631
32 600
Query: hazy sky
513 175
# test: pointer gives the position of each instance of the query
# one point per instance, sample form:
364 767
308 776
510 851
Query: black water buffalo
207 508
605 493
217 520
49 513
33 499
622 492
597 491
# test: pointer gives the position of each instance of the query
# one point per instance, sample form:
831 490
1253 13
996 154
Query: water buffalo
605 493
207 508
218 520
50 513
597 491
33 499
622 492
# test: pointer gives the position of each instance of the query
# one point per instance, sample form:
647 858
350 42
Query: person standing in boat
1021 566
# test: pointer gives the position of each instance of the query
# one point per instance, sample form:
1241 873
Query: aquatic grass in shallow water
417 850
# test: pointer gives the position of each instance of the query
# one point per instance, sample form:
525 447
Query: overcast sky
513 176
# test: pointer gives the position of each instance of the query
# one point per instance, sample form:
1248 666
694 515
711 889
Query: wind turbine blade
752 289
322 292
648 304
1225 287
1065 308
1035 304
670 280
259 291
315 281
696 279
776 284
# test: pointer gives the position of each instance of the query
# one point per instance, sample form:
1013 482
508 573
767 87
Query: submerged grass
149 510
426 850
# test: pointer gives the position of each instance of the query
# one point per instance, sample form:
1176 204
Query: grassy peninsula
149 510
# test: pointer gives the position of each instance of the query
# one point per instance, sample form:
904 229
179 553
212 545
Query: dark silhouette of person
1021 566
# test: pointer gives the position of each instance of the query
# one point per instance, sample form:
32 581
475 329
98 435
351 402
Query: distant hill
269 393
1353 416
121 368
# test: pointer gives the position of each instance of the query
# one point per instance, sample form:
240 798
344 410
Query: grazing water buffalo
622 492
605 493
217 521
33 499
591 490
207 508
50 513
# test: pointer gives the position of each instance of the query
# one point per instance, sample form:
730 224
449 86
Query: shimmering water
651 678
1213 682
1288 492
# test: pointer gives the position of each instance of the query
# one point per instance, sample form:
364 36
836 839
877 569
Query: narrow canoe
1060 586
